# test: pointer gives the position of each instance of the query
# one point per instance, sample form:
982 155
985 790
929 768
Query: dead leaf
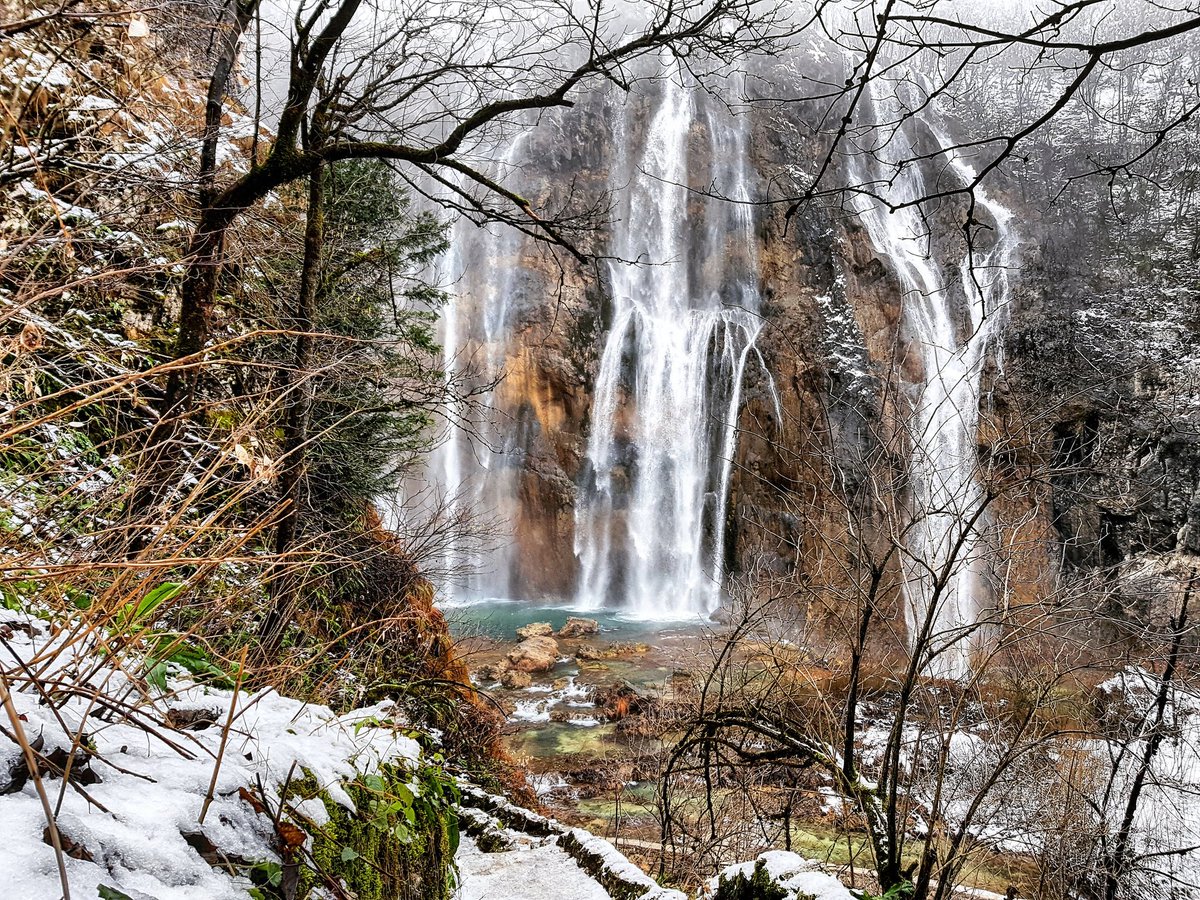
255 804
73 849
264 468
292 835
31 338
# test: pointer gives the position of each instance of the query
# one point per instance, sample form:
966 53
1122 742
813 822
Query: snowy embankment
132 814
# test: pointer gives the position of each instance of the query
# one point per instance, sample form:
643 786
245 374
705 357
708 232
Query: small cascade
539 702
650 515
952 322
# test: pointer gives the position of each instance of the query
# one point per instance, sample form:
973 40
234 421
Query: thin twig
31 763
212 784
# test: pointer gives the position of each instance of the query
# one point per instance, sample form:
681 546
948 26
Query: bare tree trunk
218 86
285 583
197 299
199 285
207 248
162 451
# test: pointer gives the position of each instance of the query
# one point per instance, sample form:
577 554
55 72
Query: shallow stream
553 725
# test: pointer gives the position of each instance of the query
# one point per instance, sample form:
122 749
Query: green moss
759 886
387 850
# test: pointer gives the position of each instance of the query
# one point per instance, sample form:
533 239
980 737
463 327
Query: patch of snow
790 871
150 793
831 800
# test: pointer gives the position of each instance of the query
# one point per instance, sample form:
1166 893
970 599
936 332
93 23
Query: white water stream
650 518
952 312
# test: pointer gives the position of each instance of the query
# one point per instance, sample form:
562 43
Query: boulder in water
619 701
577 627
488 672
722 615
515 680
535 654
586 651
535 629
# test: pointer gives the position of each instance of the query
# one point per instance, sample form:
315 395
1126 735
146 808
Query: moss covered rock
398 844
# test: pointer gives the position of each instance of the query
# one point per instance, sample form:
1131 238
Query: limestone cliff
821 430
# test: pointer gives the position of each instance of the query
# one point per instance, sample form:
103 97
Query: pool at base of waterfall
499 618
585 729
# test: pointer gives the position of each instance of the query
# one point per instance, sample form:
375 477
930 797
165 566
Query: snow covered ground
540 870
133 824
535 869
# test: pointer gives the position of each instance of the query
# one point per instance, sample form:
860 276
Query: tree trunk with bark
286 582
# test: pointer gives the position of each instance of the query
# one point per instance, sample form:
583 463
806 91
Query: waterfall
650 516
944 543
477 466
681 325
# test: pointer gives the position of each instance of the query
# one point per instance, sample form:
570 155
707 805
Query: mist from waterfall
650 516
944 566
477 466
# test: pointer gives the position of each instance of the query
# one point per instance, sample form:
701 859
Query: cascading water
476 467
650 506
944 572
650 517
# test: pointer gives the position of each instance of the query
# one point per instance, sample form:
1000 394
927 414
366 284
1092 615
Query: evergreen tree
378 375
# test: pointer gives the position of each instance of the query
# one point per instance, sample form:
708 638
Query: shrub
759 886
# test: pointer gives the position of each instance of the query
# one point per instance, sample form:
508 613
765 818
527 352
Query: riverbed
582 763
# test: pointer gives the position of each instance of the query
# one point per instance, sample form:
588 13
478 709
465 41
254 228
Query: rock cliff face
821 427
810 389
1104 356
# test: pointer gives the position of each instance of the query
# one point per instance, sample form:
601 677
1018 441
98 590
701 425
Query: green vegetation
398 846
759 886
378 371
